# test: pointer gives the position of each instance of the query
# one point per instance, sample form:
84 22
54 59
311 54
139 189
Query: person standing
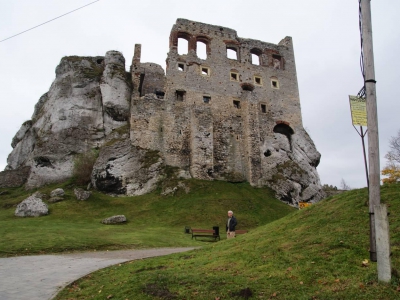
230 225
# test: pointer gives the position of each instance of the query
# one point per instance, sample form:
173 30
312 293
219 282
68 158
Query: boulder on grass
57 193
31 207
81 194
114 220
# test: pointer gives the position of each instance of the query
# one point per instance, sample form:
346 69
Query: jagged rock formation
214 118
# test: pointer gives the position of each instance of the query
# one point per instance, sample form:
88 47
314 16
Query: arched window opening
256 56
255 59
201 50
183 46
286 130
231 53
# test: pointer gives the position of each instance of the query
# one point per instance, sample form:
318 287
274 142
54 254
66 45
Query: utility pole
372 119
378 223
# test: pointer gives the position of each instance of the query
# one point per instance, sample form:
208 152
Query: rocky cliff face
141 123
88 99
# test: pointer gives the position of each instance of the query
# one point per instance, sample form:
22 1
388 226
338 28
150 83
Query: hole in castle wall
201 50
181 67
277 61
263 108
255 59
236 104
206 99
234 76
257 80
180 95
231 53
275 84
205 71
183 46
100 61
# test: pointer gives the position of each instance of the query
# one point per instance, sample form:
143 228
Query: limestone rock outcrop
31 207
123 169
114 220
72 117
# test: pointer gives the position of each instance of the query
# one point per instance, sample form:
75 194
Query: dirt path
40 277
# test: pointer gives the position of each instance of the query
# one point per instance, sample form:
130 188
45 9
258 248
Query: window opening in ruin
180 95
234 76
276 61
263 108
257 80
181 67
275 84
237 137
206 99
255 59
159 94
183 46
231 53
201 50
205 71
180 131
236 104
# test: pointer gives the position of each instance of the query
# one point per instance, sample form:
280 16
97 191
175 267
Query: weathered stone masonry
218 118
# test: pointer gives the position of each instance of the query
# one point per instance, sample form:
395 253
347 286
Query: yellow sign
358 107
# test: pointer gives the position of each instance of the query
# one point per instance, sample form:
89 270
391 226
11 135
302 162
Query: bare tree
344 186
393 156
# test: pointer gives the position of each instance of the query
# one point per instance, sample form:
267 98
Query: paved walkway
40 277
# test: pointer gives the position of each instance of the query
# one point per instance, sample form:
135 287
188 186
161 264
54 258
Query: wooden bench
209 233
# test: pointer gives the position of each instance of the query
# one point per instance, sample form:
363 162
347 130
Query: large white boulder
31 207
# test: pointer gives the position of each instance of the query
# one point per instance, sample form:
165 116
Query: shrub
83 166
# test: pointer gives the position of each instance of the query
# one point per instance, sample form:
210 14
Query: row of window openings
231 53
181 95
205 71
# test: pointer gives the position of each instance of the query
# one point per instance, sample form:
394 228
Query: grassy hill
315 253
153 220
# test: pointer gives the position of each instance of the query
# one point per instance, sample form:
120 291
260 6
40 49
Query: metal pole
365 156
372 116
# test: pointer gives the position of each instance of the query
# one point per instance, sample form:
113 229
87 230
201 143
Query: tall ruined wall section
224 118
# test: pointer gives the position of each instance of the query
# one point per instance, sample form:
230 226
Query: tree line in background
392 168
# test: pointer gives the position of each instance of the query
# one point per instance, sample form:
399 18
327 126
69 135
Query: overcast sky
326 42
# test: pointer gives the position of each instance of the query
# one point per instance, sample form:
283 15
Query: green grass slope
153 220
316 253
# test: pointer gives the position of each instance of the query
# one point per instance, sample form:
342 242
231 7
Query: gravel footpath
40 277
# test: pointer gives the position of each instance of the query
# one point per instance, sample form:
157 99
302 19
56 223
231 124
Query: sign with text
358 107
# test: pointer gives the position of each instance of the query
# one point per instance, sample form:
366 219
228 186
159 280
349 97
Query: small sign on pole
358 107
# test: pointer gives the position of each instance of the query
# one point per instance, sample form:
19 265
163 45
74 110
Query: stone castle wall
217 117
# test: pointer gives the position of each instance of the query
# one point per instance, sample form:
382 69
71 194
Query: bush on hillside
83 166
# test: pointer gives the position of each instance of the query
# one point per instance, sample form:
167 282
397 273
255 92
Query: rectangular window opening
206 99
263 108
257 80
255 59
180 95
275 84
234 76
205 71
231 53
236 104
181 67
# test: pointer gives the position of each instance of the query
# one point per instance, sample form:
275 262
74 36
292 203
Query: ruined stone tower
220 117
233 114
